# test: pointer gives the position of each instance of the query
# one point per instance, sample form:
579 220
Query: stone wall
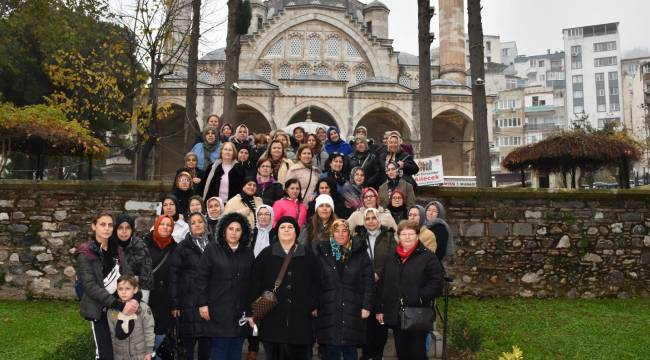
509 242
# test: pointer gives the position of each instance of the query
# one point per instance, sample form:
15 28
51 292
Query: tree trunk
192 129
479 100
424 44
233 50
148 140
624 174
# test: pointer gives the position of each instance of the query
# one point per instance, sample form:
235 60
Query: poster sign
431 173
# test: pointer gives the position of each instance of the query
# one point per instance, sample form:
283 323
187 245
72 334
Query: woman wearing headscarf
370 199
351 191
335 144
245 203
394 153
394 181
380 242
279 162
191 160
169 207
291 204
319 155
224 177
208 150
317 229
305 173
336 168
241 136
435 214
427 238
183 191
215 210
183 269
346 293
397 206
267 188
161 246
223 283
286 331
246 157
135 252
225 132
367 160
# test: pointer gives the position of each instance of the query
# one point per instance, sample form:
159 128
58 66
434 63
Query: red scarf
403 254
161 241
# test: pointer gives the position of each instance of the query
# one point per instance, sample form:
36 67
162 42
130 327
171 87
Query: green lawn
543 329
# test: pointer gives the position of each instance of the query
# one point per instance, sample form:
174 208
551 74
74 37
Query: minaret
176 46
452 40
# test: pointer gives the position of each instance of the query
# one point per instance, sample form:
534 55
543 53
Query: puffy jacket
288 207
385 245
308 178
223 282
340 146
369 162
137 257
236 204
235 181
343 293
418 282
159 296
409 169
183 290
270 194
356 220
89 268
141 340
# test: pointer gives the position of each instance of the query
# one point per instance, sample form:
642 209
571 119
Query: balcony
542 127
538 109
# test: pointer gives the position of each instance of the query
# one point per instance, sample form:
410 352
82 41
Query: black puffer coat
235 181
270 194
159 296
137 256
290 322
410 167
223 281
418 281
183 291
343 293
371 167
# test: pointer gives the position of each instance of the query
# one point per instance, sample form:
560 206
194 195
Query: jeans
227 348
157 341
334 352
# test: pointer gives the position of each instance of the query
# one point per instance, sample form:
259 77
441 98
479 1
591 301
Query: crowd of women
336 219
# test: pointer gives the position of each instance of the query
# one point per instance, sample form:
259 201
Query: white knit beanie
324 199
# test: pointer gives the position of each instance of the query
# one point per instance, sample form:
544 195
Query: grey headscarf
450 250
202 240
422 213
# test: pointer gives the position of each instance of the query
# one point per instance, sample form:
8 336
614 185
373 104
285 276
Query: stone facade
509 243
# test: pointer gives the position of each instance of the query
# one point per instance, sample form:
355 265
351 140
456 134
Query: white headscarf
263 239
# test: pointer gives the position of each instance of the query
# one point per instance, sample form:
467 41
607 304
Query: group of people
359 249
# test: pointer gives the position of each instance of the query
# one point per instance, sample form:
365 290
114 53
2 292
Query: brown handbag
268 300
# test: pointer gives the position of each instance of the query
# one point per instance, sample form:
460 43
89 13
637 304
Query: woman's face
293 191
169 208
227 131
165 227
197 226
190 162
408 238
370 221
414 215
299 135
214 209
213 121
265 169
305 156
432 213
242 133
233 233
323 188
103 228
322 135
369 200
359 177
243 155
195 206
286 232
337 164
250 188
184 183
264 217
283 139
341 235
334 135
276 150
124 231
324 212
396 200
361 146
210 137
227 152
311 141
393 144
391 171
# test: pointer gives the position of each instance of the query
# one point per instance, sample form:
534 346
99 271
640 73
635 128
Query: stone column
452 40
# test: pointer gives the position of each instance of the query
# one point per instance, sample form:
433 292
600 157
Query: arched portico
453 139
384 116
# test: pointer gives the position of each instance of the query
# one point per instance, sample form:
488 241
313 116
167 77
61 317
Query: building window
266 71
322 70
612 76
488 45
333 46
276 49
489 59
360 74
576 50
342 73
606 61
578 110
601 92
578 94
295 46
304 70
577 79
352 51
405 80
532 63
511 84
540 63
313 46
605 46
613 91
576 65
538 102
602 107
614 107
542 78
285 71
221 77
600 77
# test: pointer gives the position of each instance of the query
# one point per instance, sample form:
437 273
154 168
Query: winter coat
385 245
284 168
288 207
307 239
137 256
443 236
271 193
405 186
418 282
141 340
223 282
340 147
319 159
343 293
409 169
308 178
385 219
428 239
159 297
183 291
89 268
290 322
235 180
369 162
236 204
340 209
200 157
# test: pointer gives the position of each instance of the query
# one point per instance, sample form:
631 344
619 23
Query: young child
132 336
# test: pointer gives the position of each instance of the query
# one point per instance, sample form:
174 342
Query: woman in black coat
364 158
226 165
136 253
267 187
223 287
286 331
184 297
346 293
412 276
395 153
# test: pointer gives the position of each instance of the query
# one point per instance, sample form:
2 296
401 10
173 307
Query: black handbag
172 347
412 318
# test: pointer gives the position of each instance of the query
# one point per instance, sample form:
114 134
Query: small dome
375 4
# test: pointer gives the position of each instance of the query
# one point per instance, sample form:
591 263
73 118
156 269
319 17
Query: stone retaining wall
509 242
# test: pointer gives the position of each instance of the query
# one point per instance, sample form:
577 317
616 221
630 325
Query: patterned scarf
341 253
250 202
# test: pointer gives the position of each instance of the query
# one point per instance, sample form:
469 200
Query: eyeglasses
184 180
266 166
369 196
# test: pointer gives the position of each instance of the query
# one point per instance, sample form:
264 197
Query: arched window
295 46
333 46
313 46
342 73
352 51
360 74
285 71
405 80
221 77
304 70
276 49
266 71
322 70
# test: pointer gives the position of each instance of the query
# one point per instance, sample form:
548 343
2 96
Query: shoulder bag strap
161 262
283 269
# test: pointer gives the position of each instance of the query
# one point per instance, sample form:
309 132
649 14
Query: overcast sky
534 25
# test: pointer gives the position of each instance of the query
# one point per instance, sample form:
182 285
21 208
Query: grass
560 329
543 329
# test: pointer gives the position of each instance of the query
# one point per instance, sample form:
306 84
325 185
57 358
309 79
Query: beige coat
236 204
308 179
428 239
282 173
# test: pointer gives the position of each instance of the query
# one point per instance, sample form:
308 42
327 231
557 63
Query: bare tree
479 100
425 13
192 129
239 17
